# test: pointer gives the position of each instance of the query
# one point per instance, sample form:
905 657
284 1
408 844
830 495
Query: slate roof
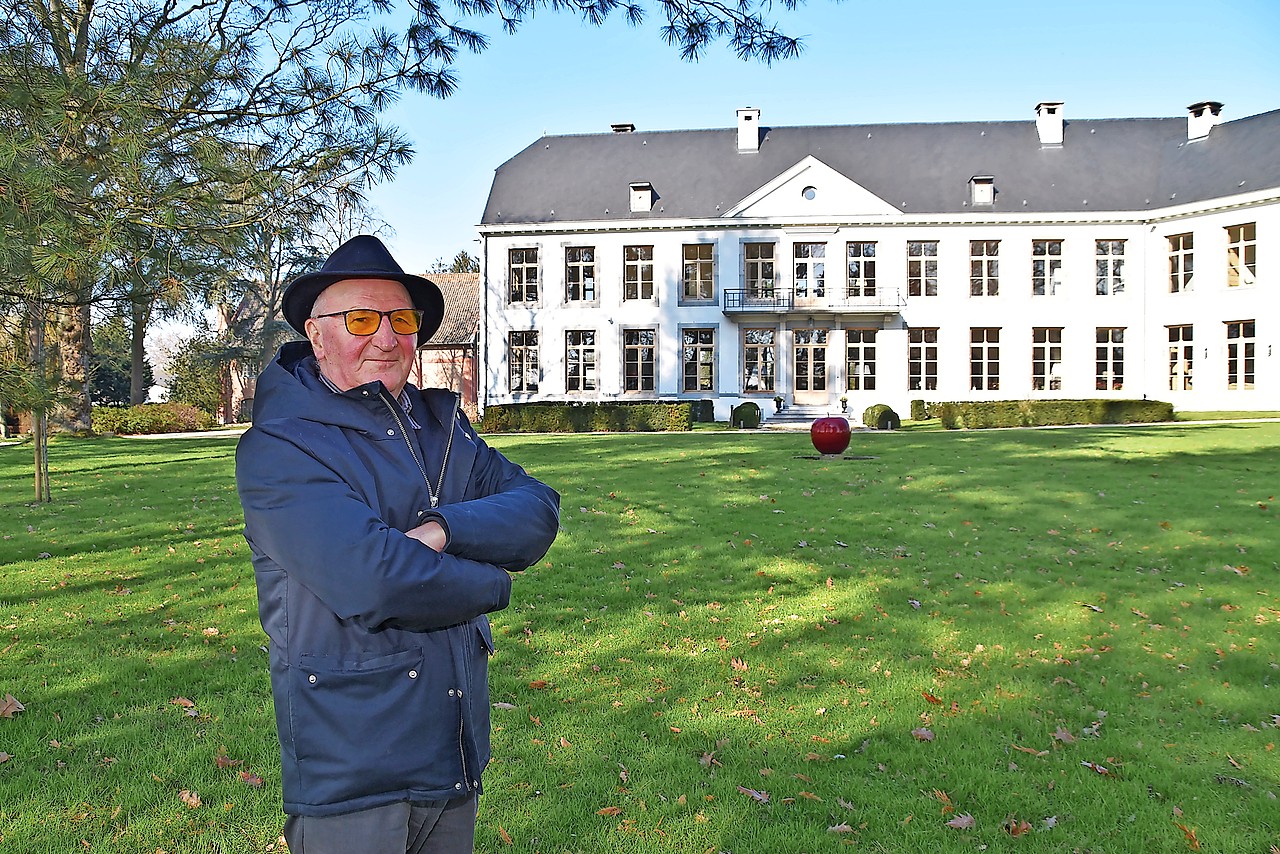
1126 164
461 324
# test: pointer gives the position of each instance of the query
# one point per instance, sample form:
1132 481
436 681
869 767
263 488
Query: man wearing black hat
382 529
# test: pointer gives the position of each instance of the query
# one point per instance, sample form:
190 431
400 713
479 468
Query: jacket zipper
434 495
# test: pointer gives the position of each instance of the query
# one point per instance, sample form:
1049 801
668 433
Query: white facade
1192 321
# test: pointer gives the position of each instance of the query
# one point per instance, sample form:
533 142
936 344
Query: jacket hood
290 388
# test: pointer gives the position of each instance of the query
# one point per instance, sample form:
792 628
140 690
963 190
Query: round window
810 193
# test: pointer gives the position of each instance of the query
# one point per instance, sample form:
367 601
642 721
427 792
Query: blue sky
924 61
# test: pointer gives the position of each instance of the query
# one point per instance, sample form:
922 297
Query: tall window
637 272
1046 267
922 268
522 275
860 359
699 271
1046 358
580 273
984 358
1181 356
699 357
522 361
759 354
984 268
1110 258
860 278
811 269
1109 373
1181 262
922 359
757 269
1242 254
639 359
580 361
810 359
1240 354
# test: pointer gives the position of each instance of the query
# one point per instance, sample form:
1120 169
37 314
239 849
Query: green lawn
734 646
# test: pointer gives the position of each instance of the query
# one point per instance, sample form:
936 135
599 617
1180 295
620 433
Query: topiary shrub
746 415
919 410
881 416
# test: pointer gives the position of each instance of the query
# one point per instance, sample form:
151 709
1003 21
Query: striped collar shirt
406 404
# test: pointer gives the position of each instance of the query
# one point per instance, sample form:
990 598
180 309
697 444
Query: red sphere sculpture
830 435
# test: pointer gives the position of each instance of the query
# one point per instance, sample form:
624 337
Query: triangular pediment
811 188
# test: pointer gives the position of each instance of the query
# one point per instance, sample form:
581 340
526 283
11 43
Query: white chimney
1201 118
748 129
641 197
1049 123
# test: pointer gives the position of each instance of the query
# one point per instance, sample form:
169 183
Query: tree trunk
140 317
75 415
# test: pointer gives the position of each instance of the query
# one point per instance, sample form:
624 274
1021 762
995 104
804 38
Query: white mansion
887 263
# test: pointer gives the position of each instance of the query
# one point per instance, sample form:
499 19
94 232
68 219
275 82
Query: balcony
775 302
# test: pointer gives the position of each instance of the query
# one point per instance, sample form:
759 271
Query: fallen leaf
503 706
1016 827
1064 736
963 821
251 779
840 828
1030 750
4 757
10 706
809 795
923 733
738 664
761 797
1190 834
539 684
190 798
223 761
182 701
504 836
931 698
1096 767
609 811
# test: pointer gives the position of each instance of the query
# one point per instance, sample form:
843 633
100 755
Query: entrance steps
800 417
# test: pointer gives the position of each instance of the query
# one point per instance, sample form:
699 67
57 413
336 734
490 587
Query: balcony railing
785 300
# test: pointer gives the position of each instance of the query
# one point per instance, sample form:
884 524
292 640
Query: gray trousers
436 827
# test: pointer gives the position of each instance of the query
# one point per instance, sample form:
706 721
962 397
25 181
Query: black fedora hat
363 257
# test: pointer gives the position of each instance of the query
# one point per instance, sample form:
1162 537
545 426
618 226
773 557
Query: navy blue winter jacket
379 645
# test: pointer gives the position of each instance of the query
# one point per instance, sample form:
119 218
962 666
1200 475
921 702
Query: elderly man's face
353 360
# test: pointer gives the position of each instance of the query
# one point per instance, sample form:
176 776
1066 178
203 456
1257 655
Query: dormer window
641 197
982 190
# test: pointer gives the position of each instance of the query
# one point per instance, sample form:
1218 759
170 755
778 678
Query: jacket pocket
367 725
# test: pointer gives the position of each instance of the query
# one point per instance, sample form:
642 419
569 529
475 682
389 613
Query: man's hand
430 534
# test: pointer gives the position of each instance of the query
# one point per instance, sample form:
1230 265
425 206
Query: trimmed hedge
1044 413
880 416
746 415
587 418
150 418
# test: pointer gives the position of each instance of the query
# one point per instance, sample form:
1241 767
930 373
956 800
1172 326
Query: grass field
1037 641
